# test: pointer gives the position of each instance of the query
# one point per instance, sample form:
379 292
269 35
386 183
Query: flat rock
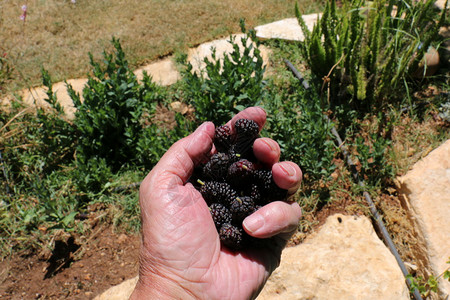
426 190
344 260
119 292
163 72
196 56
440 4
36 96
287 29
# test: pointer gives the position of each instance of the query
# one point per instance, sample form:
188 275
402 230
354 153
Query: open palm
181 255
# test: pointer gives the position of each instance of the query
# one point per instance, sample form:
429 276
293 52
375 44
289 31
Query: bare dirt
107 259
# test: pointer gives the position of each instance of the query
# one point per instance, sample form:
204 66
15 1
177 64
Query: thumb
179 161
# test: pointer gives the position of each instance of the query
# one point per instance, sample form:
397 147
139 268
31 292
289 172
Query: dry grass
59 34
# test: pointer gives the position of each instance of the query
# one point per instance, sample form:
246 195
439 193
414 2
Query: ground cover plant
55 171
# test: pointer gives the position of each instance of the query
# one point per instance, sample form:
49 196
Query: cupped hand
181 256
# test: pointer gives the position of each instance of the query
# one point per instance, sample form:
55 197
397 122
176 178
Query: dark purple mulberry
241 207
231 236
220 214
269 190
217 167
217 192
246 128
223 139
240 173
246 133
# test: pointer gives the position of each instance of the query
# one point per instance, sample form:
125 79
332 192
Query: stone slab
426 188
119 292
286 29
196 56
344 260
163 72
38 94
440 4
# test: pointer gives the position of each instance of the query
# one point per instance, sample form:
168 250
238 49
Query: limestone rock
344 260
223 47
287 29
119 292
426 190
163 72
38 94
440 4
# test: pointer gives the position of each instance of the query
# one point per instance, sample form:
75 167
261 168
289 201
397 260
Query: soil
107 259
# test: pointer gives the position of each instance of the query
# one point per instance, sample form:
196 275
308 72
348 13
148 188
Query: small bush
371 154
226 86
110 121
114 124
297 123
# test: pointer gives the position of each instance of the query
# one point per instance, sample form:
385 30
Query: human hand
181 256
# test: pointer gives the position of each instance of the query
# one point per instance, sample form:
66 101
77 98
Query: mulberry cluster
234 184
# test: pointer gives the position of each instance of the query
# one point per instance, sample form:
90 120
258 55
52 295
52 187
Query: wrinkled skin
181 256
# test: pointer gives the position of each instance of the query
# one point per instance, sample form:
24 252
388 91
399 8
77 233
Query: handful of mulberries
234 184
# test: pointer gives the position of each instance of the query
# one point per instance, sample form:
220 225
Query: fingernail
272 147
253 223
288 169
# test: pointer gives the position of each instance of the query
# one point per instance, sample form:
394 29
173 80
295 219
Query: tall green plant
364 51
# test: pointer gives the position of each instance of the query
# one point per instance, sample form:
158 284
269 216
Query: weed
425 287
444 112
6 70
371 154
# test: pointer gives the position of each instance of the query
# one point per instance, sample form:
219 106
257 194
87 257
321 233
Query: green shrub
226 86
371 154
37 141
109 123
365 53
295 120
114 123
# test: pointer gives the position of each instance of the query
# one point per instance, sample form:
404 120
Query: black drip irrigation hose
373 210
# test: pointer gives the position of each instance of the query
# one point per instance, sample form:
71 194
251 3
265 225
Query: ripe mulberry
234 184
241 207
217 192
231 236
246 133
270 191
217 167
240 173
223 139
220 214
